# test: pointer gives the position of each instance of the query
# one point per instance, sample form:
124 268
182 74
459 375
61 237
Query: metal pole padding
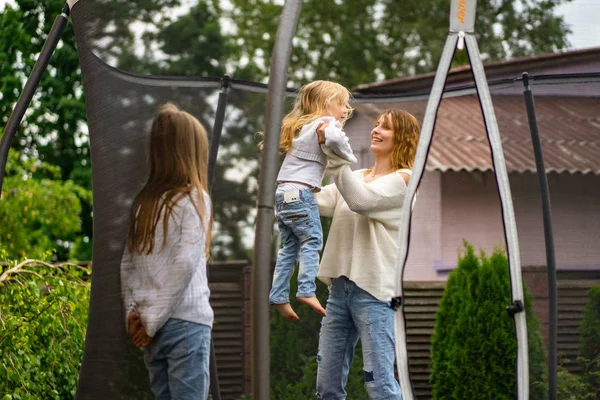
461 33
30 87
215 141
215 138
549 240
261 271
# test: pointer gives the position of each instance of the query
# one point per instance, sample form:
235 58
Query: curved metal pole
404 235
261 271
549 240
462 21
516 309
30 87
215 141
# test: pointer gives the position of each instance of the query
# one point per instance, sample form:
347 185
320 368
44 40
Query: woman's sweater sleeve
370 200
327 198
187 251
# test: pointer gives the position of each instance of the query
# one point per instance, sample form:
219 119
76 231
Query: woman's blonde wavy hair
311 103
406 137
178 168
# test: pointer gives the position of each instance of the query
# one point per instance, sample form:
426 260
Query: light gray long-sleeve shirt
305 162
170 282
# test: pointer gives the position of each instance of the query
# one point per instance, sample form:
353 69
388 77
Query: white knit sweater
363 239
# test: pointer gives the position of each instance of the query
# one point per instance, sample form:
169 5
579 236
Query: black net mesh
457 200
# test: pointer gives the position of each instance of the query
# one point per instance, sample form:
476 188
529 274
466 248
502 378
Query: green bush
42 329
294 347
590 341
474 344
39 211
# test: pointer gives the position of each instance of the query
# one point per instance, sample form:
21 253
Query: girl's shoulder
192 200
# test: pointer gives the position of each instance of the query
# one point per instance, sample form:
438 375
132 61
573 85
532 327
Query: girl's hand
321 131
134 323
141 339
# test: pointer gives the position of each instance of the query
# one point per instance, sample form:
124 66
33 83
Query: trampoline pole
549 240
30 87
215 141
261 269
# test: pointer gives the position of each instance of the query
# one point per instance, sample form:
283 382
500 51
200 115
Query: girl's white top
305 162
170 282
363 239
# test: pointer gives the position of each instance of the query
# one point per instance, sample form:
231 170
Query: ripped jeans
354 314
302 238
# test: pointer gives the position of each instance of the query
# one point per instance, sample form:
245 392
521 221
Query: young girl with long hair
299 177
163 270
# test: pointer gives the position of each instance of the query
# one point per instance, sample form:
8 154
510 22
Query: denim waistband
305 194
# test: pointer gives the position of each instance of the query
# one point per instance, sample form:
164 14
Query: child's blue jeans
178 361
302 238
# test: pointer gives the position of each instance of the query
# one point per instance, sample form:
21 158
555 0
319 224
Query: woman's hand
321 131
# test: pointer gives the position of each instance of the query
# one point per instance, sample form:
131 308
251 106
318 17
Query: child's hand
141 339
321 131
134 323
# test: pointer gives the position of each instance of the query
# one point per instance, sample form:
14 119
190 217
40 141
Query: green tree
474 347
361 41
590 341
54 128
42 329
39 211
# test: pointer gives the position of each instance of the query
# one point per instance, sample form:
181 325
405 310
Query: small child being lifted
299 177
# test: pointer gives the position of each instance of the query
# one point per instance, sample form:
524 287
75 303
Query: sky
582 16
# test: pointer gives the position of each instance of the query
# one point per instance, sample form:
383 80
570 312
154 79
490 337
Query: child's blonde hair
311 103
178 168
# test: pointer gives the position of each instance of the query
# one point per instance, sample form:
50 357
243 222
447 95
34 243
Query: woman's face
382 137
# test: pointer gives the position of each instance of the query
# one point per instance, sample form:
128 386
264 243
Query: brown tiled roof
569 130
493 69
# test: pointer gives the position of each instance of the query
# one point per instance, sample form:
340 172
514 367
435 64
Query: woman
163 271
359 260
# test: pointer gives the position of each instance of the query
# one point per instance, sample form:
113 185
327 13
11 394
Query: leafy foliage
294 347
353 42
475 337
39 211
361 41
42 329
54 128
590 341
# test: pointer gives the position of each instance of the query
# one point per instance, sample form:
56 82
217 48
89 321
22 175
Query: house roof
569 130
493 70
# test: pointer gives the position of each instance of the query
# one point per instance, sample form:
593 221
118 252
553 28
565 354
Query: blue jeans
178 361
302 238
354 314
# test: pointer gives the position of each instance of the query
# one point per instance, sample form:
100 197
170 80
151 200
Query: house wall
471 210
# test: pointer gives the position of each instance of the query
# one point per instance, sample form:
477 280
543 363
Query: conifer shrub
474 345
590 341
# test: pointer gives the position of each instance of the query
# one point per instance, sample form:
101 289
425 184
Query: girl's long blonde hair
311 103
178 168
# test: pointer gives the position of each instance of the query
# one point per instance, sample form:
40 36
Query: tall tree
362 41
